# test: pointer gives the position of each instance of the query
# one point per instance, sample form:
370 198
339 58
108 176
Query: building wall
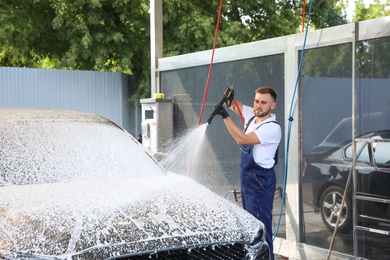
103 93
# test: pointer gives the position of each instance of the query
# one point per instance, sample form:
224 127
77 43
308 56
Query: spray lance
227 98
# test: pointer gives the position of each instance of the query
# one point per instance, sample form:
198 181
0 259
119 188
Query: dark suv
329 169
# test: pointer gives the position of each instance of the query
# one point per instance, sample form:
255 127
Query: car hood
108 218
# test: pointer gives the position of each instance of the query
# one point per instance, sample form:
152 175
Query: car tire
330 203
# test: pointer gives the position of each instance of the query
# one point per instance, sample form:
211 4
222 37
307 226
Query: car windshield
38 149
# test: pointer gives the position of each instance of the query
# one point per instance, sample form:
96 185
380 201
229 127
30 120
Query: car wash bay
341 95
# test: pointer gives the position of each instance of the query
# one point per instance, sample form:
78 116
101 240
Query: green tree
373 55
189 26
113 35
327 14
379 8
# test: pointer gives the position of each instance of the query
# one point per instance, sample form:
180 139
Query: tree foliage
379 8
113 35
373 55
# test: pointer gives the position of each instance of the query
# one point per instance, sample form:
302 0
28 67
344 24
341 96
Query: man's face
263 104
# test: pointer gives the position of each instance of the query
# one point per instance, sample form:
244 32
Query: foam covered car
75 185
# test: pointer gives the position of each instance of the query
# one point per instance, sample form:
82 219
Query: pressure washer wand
220 103
224 99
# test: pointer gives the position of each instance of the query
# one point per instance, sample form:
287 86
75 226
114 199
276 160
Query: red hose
211 64
239 112
303 15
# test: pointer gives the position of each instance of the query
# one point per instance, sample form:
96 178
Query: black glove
220 110
229 96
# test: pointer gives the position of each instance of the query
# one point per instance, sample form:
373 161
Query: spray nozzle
216 108
210 118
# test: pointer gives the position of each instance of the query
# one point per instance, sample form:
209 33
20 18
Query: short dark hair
267 90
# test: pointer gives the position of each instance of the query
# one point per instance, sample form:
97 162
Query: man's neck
261 119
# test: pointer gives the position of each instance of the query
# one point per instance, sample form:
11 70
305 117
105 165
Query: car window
382 152
363 156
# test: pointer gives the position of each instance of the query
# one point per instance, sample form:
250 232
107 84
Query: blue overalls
258 189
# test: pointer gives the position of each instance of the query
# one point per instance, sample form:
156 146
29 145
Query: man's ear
273 106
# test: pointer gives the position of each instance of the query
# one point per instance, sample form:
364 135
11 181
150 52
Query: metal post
354 209
156 43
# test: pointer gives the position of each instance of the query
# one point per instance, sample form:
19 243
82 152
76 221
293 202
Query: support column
156 43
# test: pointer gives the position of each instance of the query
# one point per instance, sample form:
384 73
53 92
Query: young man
259 144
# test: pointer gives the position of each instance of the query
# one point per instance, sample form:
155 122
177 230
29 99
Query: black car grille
236 251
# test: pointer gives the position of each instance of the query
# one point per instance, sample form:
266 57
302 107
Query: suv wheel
330 204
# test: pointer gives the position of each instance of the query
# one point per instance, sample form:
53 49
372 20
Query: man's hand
229 96
220 110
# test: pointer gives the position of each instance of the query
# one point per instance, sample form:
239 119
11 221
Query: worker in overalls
259 144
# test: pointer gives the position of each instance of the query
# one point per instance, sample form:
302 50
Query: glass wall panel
326 134
218 164
373 162
326 106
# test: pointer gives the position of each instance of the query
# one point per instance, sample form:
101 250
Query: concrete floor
279 257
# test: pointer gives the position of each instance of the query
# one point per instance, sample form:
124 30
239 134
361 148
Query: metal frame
156 43
353 169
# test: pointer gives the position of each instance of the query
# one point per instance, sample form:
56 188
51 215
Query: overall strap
251 119
276 122
267 123
247 124
277 149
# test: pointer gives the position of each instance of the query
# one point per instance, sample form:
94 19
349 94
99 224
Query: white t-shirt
269 135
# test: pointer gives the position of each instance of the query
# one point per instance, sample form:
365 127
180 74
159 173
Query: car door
373 180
